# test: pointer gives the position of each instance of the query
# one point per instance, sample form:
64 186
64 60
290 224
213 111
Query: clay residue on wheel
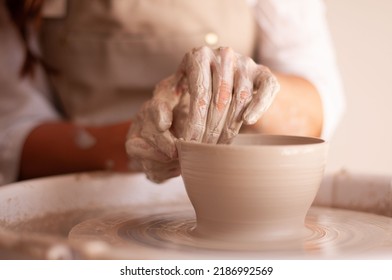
56 223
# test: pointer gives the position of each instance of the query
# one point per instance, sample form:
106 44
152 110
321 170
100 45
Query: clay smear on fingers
196 66
243 91
222 66
266 87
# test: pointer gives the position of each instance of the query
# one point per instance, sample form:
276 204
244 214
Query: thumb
163 116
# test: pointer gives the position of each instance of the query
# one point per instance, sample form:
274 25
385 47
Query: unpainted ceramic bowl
259 188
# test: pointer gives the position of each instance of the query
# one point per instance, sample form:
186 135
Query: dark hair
26 15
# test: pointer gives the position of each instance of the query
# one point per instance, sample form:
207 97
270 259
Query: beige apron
109 54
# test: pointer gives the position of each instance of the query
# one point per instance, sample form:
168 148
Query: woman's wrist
296 110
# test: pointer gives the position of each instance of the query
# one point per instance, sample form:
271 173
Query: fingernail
250 118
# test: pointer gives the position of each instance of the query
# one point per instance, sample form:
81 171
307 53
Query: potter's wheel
116 216
331 233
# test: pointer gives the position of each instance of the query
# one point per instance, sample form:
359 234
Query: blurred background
362 35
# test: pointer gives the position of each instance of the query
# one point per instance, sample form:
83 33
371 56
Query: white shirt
293 39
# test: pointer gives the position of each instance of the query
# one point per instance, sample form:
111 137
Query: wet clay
257 189
331 233
83 139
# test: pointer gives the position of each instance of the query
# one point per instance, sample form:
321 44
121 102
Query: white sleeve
23 104
295 39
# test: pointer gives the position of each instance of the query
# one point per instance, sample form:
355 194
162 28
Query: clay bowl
259 188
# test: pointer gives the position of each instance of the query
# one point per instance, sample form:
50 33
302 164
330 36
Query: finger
156 166
139 148
180 114
156 119
266 86
222 89
162 115
159 172
243 90
196 65
169 89
162 141
167 94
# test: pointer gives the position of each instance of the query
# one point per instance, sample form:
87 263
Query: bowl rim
313 142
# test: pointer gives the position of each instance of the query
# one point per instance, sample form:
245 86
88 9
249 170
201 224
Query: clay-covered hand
212 94
226 90
151 138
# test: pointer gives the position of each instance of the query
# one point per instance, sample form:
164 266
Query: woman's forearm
62 147
296 110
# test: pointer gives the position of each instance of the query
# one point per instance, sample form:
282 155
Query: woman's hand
151 139
213 93
226 90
